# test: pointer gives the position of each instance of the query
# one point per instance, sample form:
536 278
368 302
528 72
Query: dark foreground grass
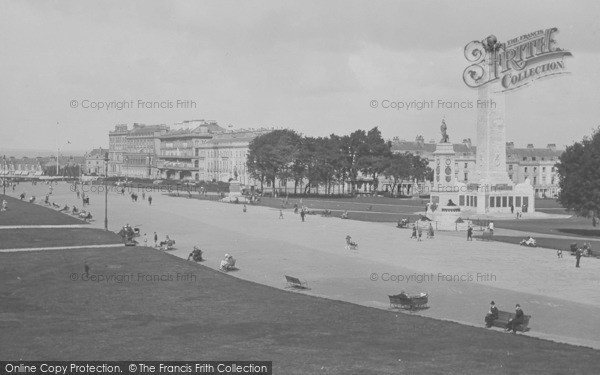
47 315
25 213
41 237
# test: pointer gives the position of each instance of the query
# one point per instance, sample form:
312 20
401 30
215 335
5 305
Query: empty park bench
505 316
404 301
294 282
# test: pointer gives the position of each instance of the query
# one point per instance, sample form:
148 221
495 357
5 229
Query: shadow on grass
581 232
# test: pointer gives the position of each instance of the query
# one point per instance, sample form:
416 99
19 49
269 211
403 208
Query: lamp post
4 177
106 191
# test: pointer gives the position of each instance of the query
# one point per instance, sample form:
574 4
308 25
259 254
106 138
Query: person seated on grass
32 199
518 319
491 315
349 241
64 209
4 205
196 255
228 263
345 215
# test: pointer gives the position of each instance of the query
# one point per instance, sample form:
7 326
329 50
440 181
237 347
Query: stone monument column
491 136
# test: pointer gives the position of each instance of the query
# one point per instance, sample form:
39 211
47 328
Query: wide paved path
461 277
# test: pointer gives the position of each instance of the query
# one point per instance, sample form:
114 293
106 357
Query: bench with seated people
505 316
294 282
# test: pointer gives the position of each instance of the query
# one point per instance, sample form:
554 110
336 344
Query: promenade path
461 277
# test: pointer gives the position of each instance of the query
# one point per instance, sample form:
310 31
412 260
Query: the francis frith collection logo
515 63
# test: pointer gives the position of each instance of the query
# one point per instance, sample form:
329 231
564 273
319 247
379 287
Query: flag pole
56 150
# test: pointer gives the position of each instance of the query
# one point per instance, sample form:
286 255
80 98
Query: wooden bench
505 316
404 301
294 282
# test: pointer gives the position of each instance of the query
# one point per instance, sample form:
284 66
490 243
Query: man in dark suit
518 319
491 315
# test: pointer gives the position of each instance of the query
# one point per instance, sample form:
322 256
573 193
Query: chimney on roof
552 146
420 140
510 145
467 142
530 145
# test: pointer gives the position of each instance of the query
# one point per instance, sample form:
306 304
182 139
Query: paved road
461 277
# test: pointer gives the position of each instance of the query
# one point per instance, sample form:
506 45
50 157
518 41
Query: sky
312 66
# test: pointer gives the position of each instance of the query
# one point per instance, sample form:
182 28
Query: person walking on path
302 214
281 214
414 232
155 238
578 255
420 234
150 200
470 233
145 239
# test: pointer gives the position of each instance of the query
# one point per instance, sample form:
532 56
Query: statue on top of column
445 137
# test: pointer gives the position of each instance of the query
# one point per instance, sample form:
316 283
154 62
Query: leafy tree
407 167
579 177
354 147
376 157
272 155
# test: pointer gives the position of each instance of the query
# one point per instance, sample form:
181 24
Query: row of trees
331 161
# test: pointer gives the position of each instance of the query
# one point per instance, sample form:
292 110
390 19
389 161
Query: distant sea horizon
33 153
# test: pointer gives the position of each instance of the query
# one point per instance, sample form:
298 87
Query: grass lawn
44 315
25 213
546 242
391 209
24 238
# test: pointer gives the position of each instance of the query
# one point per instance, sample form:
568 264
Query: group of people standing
418 232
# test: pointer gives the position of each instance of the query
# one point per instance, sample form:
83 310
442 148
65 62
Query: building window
510 176
466 165
524 158
533 158
510 167
543 169
525 170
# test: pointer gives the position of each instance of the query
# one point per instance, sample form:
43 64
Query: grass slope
24 238
44 315
25 213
